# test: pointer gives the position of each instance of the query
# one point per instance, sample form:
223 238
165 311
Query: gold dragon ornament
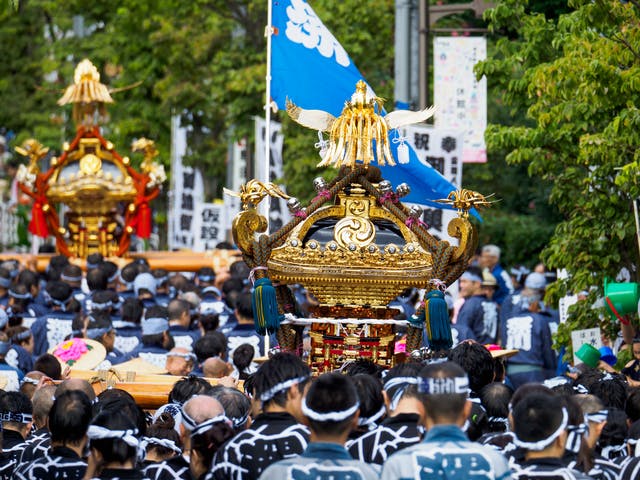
249 221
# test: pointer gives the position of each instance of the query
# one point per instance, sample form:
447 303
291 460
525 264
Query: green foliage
578 80
203 59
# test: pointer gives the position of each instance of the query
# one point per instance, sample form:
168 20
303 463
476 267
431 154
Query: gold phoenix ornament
252 193
353 133
464 200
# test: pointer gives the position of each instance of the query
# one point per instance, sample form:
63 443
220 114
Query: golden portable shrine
355 247
90 179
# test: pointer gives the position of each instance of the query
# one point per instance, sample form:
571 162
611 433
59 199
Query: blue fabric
505 286
530 334
245 333
128 335
480 315
184 337
8 368
321 461
446 452
24 359
49 330
312 69
326 450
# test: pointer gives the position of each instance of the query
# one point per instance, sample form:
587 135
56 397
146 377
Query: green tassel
438 326
266 316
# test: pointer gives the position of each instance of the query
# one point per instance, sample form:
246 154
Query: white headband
370 421
100 433
187 356
634 441
597 417
161 442
444 386
328 416
280 387
394 382
207 424
471 277
403 382
504 420
574 437
545 442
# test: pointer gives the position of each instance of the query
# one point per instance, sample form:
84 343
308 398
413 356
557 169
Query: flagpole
267 109
267 134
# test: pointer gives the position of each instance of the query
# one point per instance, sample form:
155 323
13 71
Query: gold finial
353 134
88 95
252 193
86 87
464 200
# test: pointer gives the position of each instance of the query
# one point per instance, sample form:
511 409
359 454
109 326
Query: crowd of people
494 406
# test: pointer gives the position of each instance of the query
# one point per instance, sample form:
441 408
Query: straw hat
497 351
79 353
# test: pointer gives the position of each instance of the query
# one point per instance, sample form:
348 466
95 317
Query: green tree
578 80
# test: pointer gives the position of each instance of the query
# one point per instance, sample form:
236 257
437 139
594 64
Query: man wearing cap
331 410
478 313
275 434
445 451
490 258
403 426
144 287
156 339
529 332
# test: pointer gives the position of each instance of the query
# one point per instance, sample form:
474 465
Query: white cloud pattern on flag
304 27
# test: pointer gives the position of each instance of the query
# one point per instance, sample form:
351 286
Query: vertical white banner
209 225
441 149
460 98
189 193
278 211
187 190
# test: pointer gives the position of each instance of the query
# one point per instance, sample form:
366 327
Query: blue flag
310 67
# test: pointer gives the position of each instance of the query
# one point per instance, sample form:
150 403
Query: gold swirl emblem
356 231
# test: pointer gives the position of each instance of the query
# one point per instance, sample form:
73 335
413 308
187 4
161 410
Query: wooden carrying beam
150 391
180 261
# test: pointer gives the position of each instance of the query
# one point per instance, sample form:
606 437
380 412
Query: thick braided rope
286 336
400 211
414 338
